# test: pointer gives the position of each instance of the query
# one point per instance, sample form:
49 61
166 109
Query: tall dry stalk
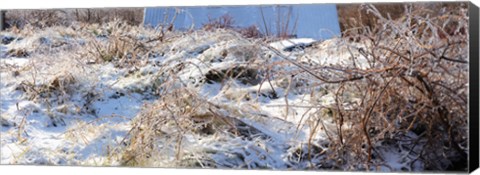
410 92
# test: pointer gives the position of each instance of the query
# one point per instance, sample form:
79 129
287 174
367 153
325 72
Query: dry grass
118 47
65 17
167 122
404 90
160 132
355 19
415 82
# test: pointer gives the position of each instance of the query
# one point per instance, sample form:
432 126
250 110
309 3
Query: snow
39 141
3 51
91 126
290 44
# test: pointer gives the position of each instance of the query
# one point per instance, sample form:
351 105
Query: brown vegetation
356 18
415 81
410 95
65 17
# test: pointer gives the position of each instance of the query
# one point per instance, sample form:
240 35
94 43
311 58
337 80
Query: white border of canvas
75 170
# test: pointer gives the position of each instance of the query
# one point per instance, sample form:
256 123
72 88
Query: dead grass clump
356 19
19 53
178 129
159 132
37 18
65 17
227 22
55 94
409 87
223 22
57 87
116 44
251 32
412 94
243 74
310 156
32 41
132 16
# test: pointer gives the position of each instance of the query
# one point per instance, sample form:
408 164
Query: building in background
317 21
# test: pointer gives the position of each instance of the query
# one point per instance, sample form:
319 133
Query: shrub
66 17
112 43
410 91
355 19
251 32
223 22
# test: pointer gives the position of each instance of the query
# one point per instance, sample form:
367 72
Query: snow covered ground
58 109
291 44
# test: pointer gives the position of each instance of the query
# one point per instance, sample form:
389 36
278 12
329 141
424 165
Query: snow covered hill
117 95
